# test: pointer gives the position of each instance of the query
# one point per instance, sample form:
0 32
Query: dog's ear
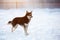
31 12
26 11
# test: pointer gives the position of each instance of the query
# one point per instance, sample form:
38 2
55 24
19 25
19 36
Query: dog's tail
9 22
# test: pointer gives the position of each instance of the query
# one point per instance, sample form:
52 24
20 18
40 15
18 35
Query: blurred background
45 24
6 4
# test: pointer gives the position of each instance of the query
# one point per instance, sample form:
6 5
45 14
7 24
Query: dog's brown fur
23 21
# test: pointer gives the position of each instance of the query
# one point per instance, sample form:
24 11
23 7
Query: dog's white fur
29 17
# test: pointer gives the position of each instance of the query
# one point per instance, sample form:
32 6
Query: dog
23 21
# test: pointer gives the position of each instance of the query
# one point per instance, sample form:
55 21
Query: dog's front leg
26 29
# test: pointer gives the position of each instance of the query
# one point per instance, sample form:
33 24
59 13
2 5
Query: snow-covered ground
45 24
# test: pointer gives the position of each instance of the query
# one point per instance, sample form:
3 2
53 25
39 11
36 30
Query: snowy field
45 24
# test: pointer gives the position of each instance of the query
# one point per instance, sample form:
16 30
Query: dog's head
29 14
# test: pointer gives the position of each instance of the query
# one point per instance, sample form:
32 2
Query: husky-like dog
23 21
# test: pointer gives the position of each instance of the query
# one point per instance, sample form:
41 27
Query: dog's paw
27 34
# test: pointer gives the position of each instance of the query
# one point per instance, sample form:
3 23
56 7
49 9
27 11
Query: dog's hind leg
13 28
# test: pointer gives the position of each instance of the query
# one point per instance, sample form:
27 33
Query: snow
45 24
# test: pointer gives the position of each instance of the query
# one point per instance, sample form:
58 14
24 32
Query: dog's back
20 20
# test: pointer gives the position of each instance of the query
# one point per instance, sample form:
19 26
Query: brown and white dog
23 21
